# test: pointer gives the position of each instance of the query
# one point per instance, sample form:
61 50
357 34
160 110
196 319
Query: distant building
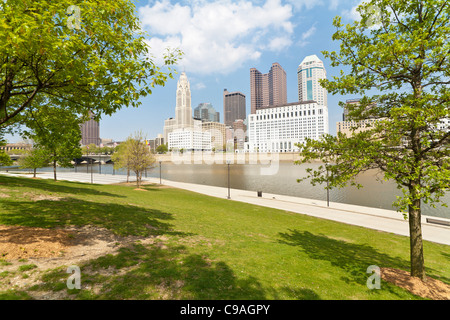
176 130
280 128
90 132
267 89
16 146
189 140
309 72
155 143
233 107
206 113
349 126
218 133
239 134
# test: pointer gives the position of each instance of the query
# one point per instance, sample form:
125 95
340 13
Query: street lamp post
228 164
160 172
328 190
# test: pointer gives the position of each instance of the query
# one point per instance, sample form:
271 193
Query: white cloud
334 4
309 32
200 86
279 43
309 4
352 14
306 35
217 36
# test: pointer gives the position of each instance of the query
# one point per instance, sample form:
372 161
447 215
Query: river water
280 178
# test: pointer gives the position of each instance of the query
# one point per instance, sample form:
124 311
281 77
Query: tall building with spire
183 131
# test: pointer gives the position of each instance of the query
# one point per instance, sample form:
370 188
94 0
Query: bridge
91 158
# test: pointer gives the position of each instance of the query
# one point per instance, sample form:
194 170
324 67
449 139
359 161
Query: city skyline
219 55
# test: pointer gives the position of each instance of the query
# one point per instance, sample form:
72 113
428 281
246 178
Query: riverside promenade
373 218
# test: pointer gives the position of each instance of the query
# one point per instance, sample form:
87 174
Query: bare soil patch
51 248
38 197
429 288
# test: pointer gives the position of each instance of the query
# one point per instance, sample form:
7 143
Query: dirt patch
49 248
38 197
17 242
54 248
429 288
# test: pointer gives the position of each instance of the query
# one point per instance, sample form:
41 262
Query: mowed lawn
209 248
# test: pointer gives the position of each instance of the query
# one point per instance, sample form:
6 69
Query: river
281 180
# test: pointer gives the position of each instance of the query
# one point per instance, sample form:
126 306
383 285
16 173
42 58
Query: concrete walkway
373 218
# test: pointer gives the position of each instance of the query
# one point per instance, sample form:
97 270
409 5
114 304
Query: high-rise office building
309 72
90 132
183 131
183 110
233 107
268 89
206 112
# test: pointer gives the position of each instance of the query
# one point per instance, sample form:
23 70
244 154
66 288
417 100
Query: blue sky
221 41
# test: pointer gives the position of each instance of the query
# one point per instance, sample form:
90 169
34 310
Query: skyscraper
183 110
268 89
233 107
90 131
206 112
309 72
183 131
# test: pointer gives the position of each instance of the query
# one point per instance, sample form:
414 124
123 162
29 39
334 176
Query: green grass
210 248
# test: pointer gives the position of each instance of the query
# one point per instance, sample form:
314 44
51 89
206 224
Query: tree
400 66
89 55
134 155
35 158
58 132
5 159
139 156
120 157
162 148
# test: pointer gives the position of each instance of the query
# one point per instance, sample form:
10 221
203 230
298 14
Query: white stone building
189 140
280 128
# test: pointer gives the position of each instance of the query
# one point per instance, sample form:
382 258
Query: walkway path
373 218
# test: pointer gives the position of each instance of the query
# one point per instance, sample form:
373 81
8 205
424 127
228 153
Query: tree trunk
415 238
137 179
34 173
128 175
54 169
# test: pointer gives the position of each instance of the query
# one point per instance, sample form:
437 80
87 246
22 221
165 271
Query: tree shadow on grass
120 219
158 272
52 186
352 258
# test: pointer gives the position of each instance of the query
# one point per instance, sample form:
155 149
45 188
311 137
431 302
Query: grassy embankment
208 248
